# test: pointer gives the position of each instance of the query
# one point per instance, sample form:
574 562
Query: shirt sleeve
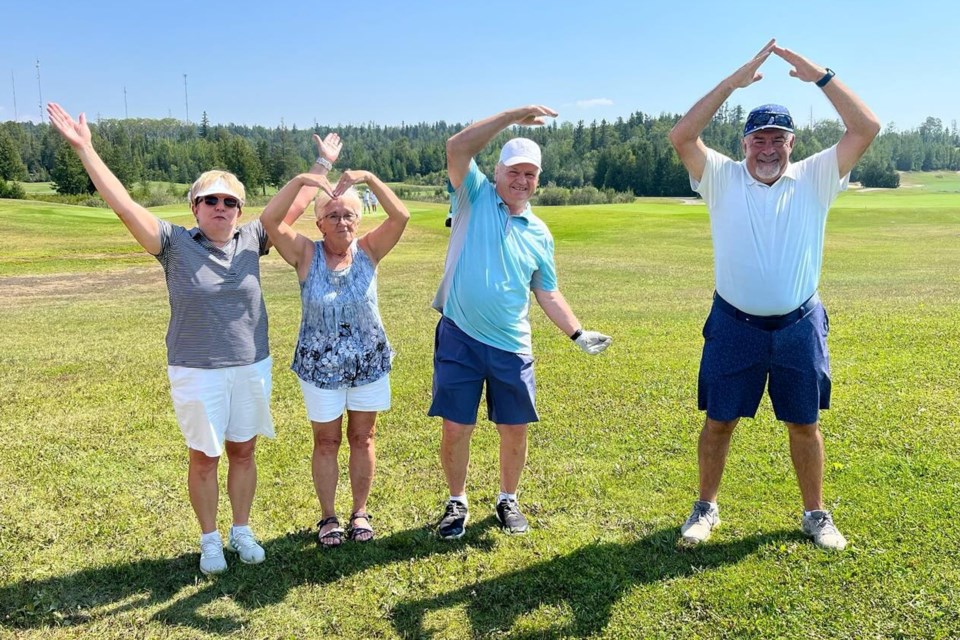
472 185
823 171
717 171
545 277
166 234
255 227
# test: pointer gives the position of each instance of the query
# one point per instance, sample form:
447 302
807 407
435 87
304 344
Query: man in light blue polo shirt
767 220
499 251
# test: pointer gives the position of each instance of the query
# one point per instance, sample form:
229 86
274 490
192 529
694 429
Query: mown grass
931 180
38 187
97 538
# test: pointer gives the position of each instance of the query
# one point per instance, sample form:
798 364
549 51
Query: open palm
74 132
329 147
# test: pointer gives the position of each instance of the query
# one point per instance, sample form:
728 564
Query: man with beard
767 219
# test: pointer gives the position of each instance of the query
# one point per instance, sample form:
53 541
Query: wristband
822 82
576 334
323 162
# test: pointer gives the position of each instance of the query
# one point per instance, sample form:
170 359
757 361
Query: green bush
587 195
876 173
553 196
81 199
12 190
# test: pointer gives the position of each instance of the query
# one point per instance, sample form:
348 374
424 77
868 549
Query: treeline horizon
629 155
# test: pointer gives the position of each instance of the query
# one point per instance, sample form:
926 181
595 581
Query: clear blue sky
391 62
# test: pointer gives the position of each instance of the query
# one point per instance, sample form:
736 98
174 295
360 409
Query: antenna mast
40 92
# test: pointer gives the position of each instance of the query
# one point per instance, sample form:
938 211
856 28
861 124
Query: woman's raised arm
142 224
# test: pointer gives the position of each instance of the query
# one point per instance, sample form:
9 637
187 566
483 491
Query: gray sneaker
511 518
453 523
819 526
212 561
704 519
246 546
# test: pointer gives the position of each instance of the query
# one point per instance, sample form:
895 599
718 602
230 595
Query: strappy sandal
354 531
332 538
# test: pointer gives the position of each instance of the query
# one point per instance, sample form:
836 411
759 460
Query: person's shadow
589 581
293 560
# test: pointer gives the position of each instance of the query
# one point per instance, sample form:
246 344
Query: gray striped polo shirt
217 315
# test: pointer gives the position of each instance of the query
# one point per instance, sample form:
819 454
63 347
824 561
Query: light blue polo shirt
493 261
768 240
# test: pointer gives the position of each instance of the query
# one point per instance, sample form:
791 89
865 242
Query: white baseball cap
520 150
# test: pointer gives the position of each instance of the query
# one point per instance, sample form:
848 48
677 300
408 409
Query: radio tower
13 81
186 101
40 92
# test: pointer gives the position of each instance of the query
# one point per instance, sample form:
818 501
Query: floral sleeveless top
342 342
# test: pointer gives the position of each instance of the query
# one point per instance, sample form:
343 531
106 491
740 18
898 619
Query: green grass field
38 187
97 538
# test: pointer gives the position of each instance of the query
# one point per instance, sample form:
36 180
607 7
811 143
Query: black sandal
354 531
332 538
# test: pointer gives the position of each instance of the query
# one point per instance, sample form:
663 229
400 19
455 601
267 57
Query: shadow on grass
293 560
589 582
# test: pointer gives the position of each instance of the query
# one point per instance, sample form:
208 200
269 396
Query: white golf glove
592 342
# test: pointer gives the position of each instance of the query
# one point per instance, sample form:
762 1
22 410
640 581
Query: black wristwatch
822 82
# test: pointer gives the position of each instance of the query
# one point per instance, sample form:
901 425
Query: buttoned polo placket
768 190
510 216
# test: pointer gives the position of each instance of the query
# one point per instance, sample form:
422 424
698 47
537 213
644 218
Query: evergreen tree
68 175
11 166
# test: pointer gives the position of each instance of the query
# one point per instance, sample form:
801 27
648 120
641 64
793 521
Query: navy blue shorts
461 366
740 352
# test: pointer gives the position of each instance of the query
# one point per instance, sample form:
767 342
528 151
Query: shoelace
244 540
211 547
454 508
825 524
699 512
510 506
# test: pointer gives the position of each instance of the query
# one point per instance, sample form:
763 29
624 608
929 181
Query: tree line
629 155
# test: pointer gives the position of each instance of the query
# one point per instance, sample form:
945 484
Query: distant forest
628 156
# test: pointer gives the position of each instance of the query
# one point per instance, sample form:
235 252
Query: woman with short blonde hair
218 358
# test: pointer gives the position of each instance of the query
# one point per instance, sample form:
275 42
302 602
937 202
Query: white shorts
324 405
213 405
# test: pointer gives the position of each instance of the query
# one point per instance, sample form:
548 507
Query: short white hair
350 194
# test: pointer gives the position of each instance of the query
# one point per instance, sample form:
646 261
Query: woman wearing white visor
217 353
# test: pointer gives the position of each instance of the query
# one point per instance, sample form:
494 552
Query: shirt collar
196 234
525 214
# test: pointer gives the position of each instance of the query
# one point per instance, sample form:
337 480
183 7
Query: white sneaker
703 519
244 544
819 526
212 561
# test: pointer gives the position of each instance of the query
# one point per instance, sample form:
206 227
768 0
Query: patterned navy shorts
461 366
740 354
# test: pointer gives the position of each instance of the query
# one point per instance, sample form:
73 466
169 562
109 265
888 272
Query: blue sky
391 62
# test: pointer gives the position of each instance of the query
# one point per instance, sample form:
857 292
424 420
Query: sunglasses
764 119
229 202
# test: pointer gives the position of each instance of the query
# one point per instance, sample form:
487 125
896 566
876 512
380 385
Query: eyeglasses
347 217
764 119
228 202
